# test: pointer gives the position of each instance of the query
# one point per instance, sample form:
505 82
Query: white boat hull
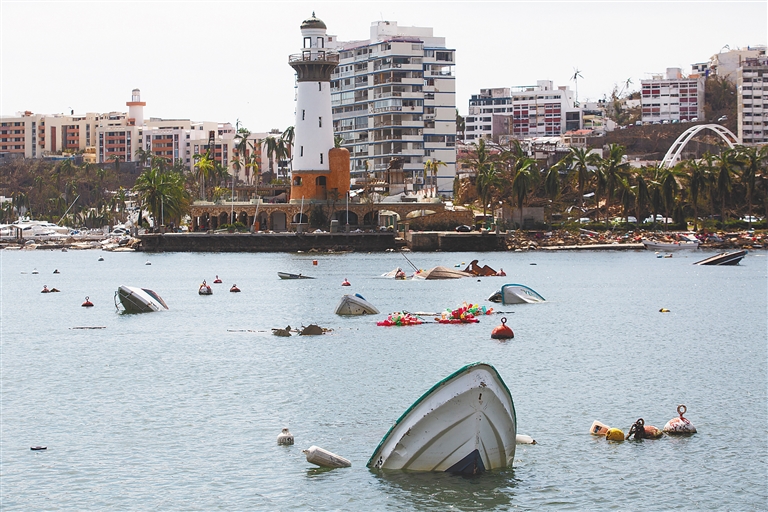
519 294
669 246
354 305
140 300
465 424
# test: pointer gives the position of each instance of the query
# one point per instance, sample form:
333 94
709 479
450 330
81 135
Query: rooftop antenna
575 78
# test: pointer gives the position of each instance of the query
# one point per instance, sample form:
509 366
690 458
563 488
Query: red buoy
345 283
87 303
502 332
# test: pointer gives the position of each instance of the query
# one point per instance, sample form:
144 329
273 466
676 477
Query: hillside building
672 97
522 112
752 87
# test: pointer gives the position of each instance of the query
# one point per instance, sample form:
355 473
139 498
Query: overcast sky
228 61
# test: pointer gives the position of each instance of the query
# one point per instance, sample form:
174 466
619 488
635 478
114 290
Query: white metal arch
673 154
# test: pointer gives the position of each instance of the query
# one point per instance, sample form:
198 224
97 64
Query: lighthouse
318 168
136 108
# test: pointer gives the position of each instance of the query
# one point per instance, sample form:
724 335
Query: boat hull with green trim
465 424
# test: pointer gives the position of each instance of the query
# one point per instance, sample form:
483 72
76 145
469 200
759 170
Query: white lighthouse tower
313 173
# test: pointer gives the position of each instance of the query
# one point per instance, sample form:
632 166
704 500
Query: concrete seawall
267 242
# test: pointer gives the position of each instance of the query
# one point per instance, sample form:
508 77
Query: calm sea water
180 410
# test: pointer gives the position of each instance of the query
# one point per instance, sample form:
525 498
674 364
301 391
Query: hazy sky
224 60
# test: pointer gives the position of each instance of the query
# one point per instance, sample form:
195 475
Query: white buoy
285 437
324 458
524 439
35 271
101 258
148 263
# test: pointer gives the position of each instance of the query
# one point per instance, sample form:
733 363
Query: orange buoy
345 283
502 332
217 280
234 288
679 425
87 303
314 262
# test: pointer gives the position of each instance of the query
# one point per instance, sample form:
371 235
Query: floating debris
324 458
282 332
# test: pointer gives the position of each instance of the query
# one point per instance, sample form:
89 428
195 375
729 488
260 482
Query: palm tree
430 167
751 160
614 170
143 156
642 197
669 189
205 167
580 160
287 138
726 162
697 183
526 175
487 178
241 146
160 192
461 125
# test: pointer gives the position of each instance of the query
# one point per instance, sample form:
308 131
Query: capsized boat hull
726 258
519 294
465 424
355 305
140 300
441 273
286 275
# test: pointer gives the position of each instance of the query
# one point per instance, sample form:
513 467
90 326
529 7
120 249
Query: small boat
464 424
476 270
726 258
286 275
516 294
397 273
685 242
350 305
139 300
441 273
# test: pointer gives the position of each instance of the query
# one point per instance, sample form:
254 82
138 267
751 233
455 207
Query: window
321 158
319 42
303 113
307 42
301 152
320 122
297 181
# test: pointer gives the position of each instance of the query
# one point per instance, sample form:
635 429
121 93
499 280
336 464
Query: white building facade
521 112
752 87
672 98
394 96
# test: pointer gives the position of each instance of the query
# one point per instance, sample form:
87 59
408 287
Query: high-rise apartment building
522 112
752 83
672 97
394 96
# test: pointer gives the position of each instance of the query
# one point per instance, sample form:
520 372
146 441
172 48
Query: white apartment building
116 135
394 96
727 64
752 86
672 97
522 112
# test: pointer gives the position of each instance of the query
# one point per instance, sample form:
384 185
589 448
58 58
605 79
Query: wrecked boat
516 294
465 424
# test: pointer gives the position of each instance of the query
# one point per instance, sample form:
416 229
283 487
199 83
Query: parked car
119 232
751 218
585 220
621 220
660 219
463 228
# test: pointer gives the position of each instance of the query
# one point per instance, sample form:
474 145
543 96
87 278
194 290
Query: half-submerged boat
516 294
139 300
726 258
286 275
351 305
465 424
441 273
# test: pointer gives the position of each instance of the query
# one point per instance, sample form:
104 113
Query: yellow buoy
614 434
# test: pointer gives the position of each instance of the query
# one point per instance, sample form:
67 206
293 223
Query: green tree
614 169
525 177
696 176
726 167
752 161
581 162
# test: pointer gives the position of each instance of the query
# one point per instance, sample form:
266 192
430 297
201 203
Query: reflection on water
441 491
